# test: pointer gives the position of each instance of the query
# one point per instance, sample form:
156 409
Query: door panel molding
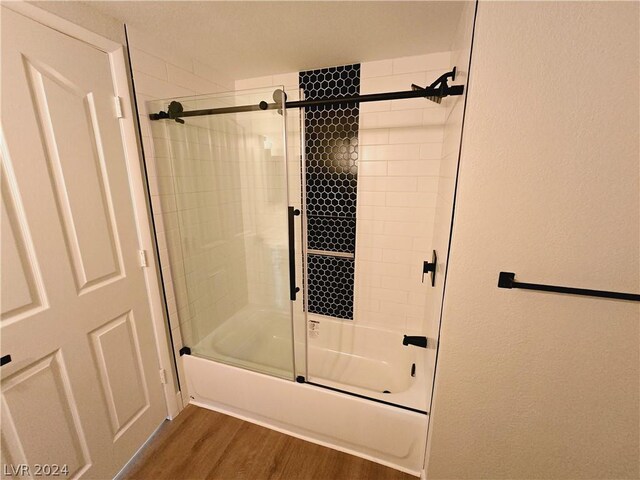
46 378
20 248
81 253
116 342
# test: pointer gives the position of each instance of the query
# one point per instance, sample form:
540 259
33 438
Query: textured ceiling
247 39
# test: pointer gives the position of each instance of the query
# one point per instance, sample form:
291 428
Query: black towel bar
507 280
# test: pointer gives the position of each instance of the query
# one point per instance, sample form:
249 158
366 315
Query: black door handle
293 290
5 359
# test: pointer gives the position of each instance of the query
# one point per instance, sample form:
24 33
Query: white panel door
83 388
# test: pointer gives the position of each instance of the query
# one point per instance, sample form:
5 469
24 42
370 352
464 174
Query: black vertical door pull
293 290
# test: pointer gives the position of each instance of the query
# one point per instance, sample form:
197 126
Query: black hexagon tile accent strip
332 281
331 234
331 147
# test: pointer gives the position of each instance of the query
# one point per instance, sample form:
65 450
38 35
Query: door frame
137 181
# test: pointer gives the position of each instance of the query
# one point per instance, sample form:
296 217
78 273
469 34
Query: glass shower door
222 182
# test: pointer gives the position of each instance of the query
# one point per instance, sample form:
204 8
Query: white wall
532 384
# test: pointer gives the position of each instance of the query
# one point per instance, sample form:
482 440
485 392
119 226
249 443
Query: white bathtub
361 360
368 361
254 338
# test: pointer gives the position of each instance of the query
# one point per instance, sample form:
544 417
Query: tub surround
359 388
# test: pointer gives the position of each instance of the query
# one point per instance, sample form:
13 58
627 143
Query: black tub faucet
417 341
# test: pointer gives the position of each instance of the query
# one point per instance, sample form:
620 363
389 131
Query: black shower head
440 84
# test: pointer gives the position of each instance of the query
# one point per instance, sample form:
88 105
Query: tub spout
417 341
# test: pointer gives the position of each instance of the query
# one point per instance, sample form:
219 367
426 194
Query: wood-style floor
201 444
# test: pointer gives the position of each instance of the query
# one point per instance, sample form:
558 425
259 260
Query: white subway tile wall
399 178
